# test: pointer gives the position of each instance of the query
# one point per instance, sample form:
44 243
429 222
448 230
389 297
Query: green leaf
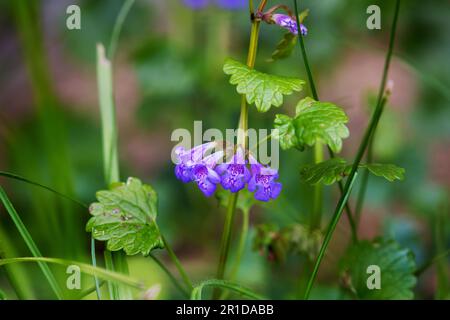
125 217
284 48
2 295
326 172
302 15
332 170
262 89
320 121
396 267
388 171
286 132
245 200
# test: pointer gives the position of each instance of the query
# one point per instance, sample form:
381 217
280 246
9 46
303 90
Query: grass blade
197 292
84 267
30 243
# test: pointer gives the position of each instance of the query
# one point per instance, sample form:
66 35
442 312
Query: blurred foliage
176 56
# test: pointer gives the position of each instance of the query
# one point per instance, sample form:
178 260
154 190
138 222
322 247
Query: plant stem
316 216
109 265
347 190
30 243
362 148
318 149
177 263
84 267
226 239
94 263
171 276
364 182
109 125
242 140
240 250
197 292
124 10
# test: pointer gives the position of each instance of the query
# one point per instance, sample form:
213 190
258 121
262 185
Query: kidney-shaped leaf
393 265
124 216
262 89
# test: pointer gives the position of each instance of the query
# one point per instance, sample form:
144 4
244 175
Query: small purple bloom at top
235 174
225 4
232 4
263 181
196 4
289 23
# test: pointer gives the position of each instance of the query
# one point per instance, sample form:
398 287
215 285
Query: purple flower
203 173
225 4
194 166
196 4
263 181
232 4
289 23
187 159
235 174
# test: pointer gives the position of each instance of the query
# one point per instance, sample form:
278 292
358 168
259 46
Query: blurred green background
168 73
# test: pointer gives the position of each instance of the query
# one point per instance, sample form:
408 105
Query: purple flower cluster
234 175
289 23
224 4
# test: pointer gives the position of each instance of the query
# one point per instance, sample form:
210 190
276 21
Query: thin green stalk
242 140
197 291
30 243
94 263
17 177
361 150
226 239
84 267
171 276
123 13
109 125
318 149
88 291
109 265
344 198
177 263
364 183
240 250
316 216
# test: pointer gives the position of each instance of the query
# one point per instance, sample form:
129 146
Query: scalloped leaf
286 132
388 171
396 264
262 89
326 172
332 170
284 48
125 217
320 121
